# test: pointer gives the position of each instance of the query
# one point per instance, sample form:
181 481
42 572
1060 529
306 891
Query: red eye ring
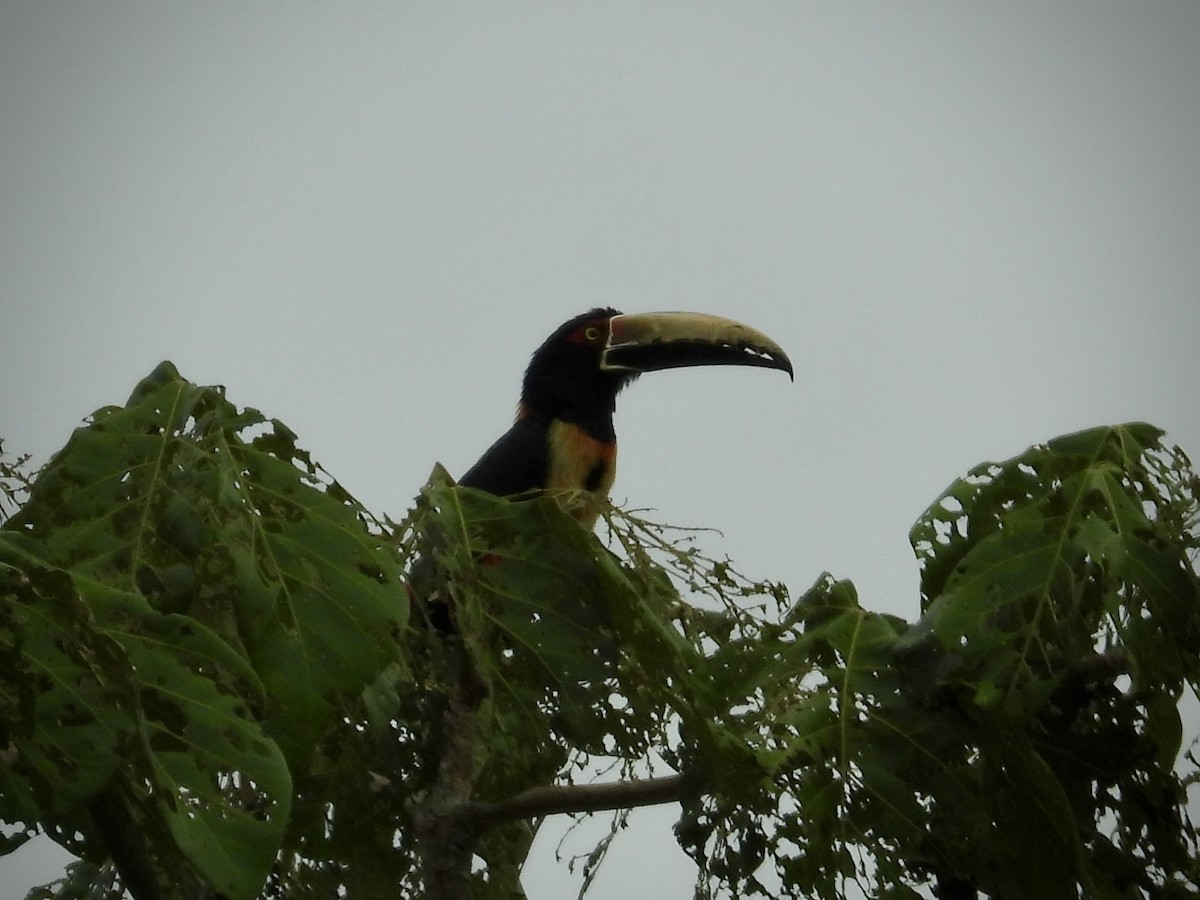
591 333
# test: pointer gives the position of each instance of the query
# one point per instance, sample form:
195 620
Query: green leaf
66 706
1023 561
176 498
153 699
191 598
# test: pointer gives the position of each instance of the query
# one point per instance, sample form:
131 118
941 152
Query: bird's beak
672 340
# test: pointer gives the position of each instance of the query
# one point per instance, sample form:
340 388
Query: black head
578 372
566 378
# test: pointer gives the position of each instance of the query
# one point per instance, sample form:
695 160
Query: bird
563 439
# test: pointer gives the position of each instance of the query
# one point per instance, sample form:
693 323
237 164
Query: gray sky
972 227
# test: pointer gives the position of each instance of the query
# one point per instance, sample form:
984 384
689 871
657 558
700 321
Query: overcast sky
972 227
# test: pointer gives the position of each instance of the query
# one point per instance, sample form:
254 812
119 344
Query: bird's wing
516 463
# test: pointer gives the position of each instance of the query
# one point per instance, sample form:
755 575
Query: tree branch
446 834
552 799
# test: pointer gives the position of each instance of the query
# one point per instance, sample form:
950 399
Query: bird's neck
596 423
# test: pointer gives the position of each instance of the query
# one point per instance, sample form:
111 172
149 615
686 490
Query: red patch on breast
579 461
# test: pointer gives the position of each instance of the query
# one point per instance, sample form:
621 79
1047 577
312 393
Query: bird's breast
580 462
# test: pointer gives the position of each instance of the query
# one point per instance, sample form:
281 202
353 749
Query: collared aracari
563 437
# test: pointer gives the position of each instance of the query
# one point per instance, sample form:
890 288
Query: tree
218 681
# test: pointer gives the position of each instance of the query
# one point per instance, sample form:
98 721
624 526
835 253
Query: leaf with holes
240 595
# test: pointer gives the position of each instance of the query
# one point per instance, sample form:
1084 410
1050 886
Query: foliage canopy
218 679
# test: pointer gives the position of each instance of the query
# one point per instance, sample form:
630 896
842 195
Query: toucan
563 438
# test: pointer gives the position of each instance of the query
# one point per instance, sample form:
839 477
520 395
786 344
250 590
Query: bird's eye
592 333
